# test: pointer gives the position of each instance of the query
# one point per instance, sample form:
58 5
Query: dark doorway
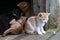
7 5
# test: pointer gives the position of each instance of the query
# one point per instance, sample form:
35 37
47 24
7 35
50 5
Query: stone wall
39 6
35 6
49 6
53 8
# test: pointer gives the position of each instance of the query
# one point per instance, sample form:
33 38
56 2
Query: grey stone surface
55 37
23 36
34 37
9 37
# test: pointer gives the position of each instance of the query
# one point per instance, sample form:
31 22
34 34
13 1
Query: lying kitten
35 24
7 17
16 26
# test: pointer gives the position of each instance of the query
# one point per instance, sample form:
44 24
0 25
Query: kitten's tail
7 31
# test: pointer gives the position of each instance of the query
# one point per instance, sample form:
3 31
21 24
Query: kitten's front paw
43 32
40 33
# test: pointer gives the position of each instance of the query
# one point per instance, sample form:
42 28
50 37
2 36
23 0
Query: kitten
5 18
35 24
26 8
16 26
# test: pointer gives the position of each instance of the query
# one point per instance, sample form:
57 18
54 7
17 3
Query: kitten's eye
40 15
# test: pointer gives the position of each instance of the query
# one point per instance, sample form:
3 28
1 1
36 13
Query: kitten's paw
43 32
40 33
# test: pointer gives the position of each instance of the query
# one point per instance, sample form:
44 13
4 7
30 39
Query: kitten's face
22 19
43 17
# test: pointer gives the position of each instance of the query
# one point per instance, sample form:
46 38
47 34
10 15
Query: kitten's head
23 5
22 19
43 16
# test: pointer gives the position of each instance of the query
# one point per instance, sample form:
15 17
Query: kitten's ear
49 14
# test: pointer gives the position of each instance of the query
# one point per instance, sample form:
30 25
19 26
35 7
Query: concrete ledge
46 36
49 34
10 37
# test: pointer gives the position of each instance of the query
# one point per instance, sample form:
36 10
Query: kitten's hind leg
6 32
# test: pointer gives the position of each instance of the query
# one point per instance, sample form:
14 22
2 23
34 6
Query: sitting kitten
16 26
35 24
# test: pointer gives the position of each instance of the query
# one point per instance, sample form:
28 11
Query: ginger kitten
26 8
16 26
35 24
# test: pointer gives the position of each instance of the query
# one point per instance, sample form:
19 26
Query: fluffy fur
20 10
16 26
35 24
